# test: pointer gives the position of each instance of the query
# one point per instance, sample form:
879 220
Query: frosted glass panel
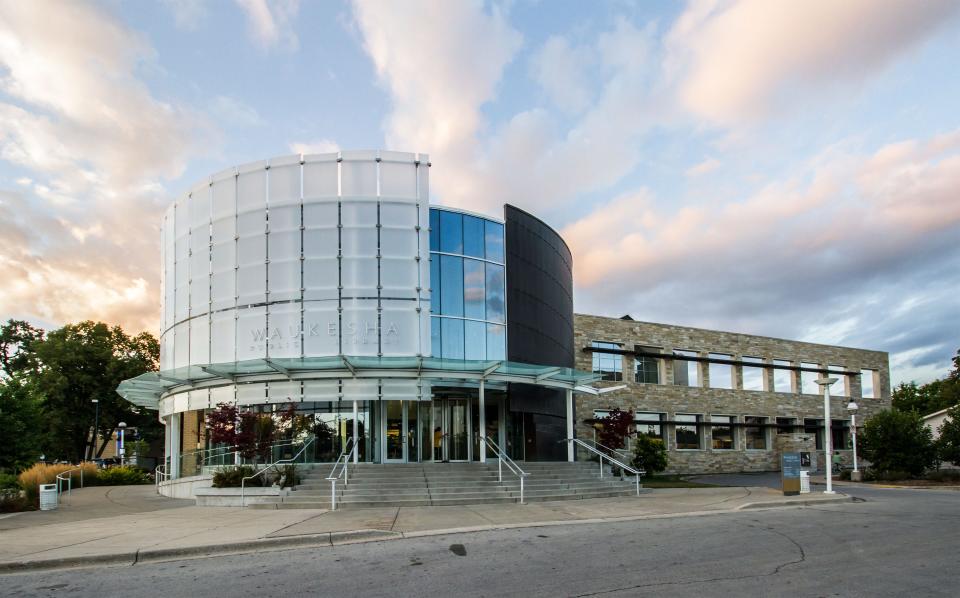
224 230
320 328
398 242
358 213
423 176
283 392
251 394
284 217
398 214
358 179
252 228
359 242
323 214
224 198
400 328
221 394
252 191
200 208
200 340
398 179
223 330
284 183
320 242
321 278
252 333
182 295
223 289
180 402
399 277
399 389
198 399
284 330
321 390
284 267
166 351
359 277
361 390
251 284
181 349
359 328
200 281
320 179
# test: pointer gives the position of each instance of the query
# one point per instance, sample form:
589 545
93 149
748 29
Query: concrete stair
438 484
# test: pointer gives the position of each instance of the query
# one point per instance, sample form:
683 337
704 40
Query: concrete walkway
126 525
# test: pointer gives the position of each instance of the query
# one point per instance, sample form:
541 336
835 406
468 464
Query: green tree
17 339
649 454
894 440
21 425
86 361
948 444
931 397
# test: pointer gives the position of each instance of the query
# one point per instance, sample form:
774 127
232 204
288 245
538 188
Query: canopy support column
483 425
356 432
569 424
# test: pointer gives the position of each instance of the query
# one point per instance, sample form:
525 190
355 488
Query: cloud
187 14
319 146
97 144
561 70
233 112
736 60
831 253
270 24
702 168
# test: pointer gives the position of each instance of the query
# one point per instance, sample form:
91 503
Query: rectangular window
647 369
496 341
755 433
475 335
721 431
608 365
451 285
753 377
649 423
866 384
687 432
451 232
434 230
782 378
786 425
686 373
814 427
494 241
451 338
721 374
436 350
474 294
473 236
839 434
435 283
808 380
838 388
496 301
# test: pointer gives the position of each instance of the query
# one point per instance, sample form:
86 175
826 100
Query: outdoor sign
790 473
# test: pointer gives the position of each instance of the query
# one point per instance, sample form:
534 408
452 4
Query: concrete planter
230 497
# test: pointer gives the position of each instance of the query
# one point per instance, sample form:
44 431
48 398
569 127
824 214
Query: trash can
804 482
48 497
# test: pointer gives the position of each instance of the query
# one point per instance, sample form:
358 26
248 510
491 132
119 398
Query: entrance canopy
147 389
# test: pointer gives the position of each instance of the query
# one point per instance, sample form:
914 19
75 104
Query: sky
788 169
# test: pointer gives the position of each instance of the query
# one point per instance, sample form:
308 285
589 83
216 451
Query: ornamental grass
42 473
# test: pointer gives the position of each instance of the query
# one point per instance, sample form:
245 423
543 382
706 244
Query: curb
354 537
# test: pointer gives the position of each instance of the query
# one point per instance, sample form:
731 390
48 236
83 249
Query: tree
931 397
649 454
948 444
21 425
894 440
82 362
615 427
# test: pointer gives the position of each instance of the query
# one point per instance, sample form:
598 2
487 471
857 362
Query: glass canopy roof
146 389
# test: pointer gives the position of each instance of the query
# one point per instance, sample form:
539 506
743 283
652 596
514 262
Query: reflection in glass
451 232
434 230
473 289
435 284
496 341
435 349
394 429
451 338
451 285
473 236
475 334
687 433
496 311
494 241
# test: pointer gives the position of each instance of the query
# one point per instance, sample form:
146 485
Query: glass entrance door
395 431
451 430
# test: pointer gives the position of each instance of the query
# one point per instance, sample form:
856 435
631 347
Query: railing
346 454
503 458
193 462
160 475
623 466
273 465
67 478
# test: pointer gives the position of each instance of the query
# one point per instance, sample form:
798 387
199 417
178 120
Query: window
808 380
686 373
839 434
687 432
649 424
647 369
721 374
867 384
451 285
473 237
754 378
496 303
451 232
721 430
782 378
494 240
608 365
838 388
474 292
786 425
755 433
814 427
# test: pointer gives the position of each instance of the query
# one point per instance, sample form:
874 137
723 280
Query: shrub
614 428
948 444
42 473
944 475
896 441
12 500
649 454
232 477
122 476
8 481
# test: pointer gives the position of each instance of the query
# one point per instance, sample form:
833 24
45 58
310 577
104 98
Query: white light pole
827 439
96 426
122 427
852 407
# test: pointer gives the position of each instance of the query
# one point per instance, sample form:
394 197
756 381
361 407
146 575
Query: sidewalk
127 525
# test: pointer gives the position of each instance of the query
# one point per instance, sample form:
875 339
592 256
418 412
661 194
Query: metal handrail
623 466
502 458
349 450
69 480
273 465
160 475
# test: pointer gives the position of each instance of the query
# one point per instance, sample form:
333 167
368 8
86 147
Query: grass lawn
671 481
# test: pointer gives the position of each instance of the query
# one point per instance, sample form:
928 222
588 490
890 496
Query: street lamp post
122 427
96 427
827 437
852 407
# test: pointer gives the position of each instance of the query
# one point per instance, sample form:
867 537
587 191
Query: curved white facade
299 257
